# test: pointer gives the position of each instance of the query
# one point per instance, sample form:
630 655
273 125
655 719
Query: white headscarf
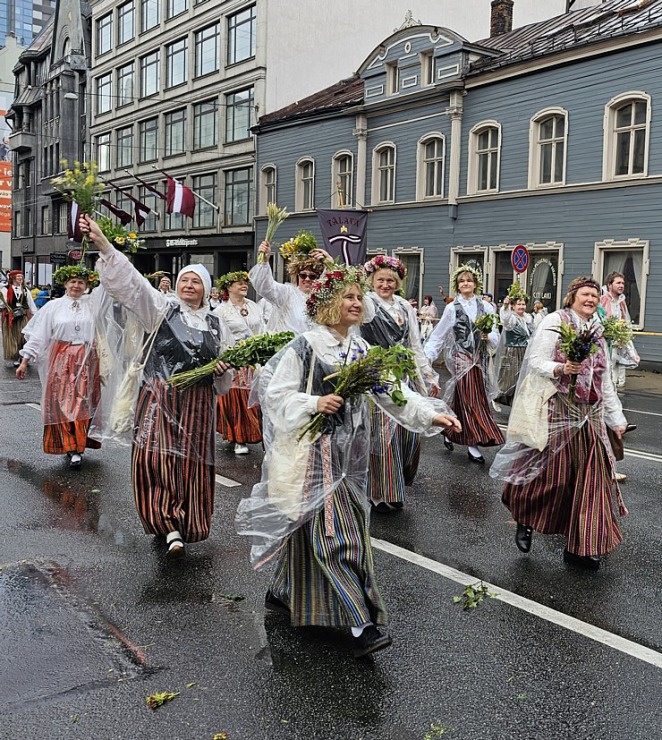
202 272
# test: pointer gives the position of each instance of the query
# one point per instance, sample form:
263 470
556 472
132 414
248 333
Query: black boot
523 536
590 562
370 641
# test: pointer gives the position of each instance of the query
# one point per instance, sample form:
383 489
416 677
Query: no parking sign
520 258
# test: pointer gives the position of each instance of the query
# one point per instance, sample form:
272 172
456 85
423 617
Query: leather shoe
273 604
591 562
476 458
370 641
523 536
448 444
381 508
630 428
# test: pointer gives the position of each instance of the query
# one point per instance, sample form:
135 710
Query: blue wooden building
548 136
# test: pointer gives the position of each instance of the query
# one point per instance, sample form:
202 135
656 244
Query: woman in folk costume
389 320
428 315
173 450
61 339
287 300
557 463
324 573
613 306
465 348
18 307
517 327
236 421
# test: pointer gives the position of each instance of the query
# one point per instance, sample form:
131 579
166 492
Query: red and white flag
140 209
180 199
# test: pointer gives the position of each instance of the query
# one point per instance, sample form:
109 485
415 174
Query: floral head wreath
302 261
301 244
477 276
382 262
334 280
225 281
515 293
62 274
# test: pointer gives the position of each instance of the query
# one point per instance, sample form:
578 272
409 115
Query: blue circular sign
520 258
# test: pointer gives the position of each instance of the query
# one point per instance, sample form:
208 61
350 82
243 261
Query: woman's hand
447 422
221 368
618 431
330 404
485 336
572 368
265 249
89 226
321 255
434 391
22 369
506 301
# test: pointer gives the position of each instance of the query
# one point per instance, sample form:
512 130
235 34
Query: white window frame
421 163
613 245
610 138
535 146
408 251
264 189
376 173
335 176
300 205
473 169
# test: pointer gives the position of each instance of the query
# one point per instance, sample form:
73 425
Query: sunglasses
307 276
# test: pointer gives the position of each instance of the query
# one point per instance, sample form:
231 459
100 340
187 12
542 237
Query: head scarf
202 272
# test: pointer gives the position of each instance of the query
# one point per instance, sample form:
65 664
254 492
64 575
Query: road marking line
227 482
34 406
532 607
647 413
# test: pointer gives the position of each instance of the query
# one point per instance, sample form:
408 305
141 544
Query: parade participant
173 450
324 574
18 307
517 326
236 421
165 286
613 305
428 316
61 340
390 320
215 298
557 464
465 349
287 300
539 313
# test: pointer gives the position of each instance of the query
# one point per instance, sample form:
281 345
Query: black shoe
523 536
381 508
476 459
630 428
448 445
274 604
370 641
396 504
591 562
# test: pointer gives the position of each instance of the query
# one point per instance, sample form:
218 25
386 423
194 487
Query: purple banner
344 233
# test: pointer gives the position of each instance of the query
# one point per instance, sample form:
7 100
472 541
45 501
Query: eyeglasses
307 276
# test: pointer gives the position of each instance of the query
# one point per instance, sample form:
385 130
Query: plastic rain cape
515 334
340 454
542 420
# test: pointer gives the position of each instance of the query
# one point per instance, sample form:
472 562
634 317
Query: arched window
267 187
548 148
383 174
342 185
484 158
627 136
430 167
305 185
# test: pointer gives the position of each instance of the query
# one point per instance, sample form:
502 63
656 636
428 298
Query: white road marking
34 406
647 413
519 602
227 482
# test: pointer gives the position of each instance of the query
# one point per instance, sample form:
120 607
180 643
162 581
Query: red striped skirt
172 459
236 421
575 494
71 398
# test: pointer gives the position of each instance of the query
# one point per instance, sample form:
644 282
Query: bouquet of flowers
577 346
515 293
378 370
127 241
617 332
485 322
303 243
257 350
275 217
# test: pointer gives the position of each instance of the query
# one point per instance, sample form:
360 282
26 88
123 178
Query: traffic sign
520 258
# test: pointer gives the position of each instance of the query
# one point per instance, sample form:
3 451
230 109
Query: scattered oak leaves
437 731
473 595
156 700
221 736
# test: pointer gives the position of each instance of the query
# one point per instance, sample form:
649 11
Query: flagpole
199 197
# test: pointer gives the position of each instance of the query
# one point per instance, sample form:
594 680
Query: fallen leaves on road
156 700
473 595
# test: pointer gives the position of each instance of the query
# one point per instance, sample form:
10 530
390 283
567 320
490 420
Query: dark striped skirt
394 456
511 364
472 407
172 459
71 398
236 421
575 494
328 579
12 337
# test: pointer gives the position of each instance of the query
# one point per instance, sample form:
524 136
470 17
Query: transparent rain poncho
340 453
288 303
241 326
543 419
515 334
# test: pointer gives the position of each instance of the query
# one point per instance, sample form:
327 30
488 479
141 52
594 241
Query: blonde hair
329 313
398 279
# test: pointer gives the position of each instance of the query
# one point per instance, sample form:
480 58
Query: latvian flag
179 199
140 209
73 228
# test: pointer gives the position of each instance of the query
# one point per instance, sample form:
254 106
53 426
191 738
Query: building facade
24 19
544 137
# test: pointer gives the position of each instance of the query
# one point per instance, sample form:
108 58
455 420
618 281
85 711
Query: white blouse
241 326
437 339
288 302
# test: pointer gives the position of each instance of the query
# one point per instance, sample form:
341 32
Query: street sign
520 258
74 254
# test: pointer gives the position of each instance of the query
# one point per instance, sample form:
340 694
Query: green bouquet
617 332
577 346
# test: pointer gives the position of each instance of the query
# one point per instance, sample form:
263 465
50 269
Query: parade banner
344 233
5 169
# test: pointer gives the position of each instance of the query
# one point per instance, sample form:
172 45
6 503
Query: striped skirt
236 421
511 365
172 459
575 494
12 337
394 456
472 407
326 579
71 398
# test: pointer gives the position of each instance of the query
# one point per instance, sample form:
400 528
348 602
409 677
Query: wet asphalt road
93 620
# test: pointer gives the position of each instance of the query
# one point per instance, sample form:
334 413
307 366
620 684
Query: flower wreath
382 262
225 281
62 274
515 293
477 275
330 283
300 245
